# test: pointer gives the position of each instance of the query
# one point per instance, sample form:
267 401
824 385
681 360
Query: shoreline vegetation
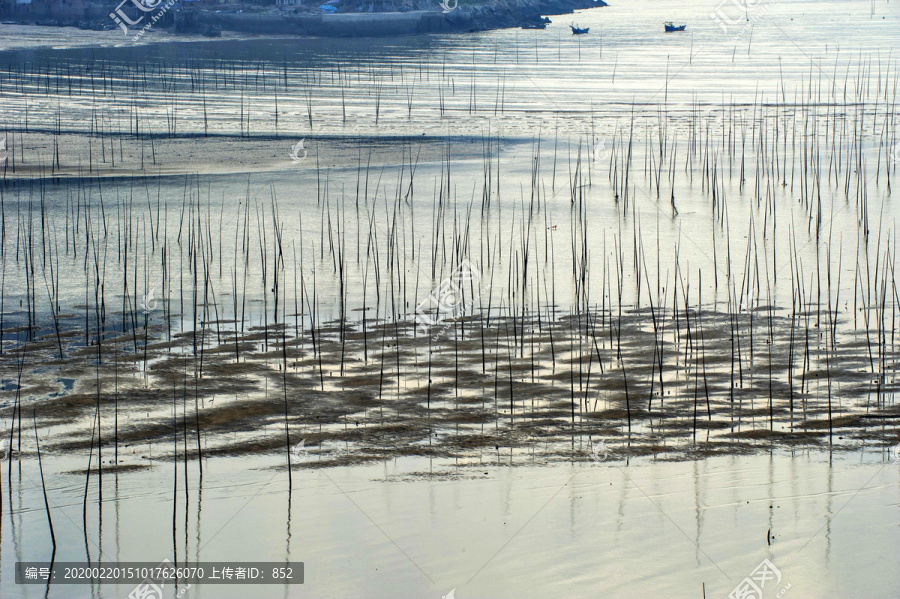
349 21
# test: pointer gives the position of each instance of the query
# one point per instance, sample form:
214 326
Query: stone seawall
339 25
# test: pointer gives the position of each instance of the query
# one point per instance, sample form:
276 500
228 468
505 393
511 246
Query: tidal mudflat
492 315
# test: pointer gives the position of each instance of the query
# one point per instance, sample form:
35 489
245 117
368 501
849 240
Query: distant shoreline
464 18
500 14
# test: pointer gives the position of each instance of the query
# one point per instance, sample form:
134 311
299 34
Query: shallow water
416 527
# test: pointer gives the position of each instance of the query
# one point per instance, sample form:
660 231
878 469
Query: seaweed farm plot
677 382
376 311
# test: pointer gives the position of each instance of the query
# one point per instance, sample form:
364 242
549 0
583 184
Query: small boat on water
538 25
670 27
578 30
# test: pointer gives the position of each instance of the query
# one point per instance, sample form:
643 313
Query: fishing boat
671 27
578 30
